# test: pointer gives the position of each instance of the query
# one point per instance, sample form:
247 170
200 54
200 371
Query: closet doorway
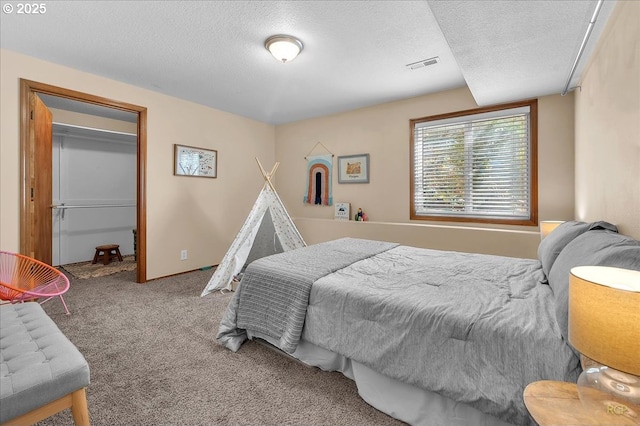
41 210
94 184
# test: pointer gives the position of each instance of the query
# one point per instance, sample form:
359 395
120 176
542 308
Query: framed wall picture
353 168
192 161
343 211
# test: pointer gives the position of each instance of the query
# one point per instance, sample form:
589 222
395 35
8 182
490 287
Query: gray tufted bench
41 371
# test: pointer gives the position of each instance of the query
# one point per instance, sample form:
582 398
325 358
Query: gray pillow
551 246
599 248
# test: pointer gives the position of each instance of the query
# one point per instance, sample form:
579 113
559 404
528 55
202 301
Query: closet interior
94 191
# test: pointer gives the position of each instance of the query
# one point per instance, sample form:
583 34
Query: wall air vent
423 63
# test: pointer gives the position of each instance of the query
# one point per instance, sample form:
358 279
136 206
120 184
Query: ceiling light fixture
284 48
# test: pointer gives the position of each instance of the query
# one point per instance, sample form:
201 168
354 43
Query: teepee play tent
268 230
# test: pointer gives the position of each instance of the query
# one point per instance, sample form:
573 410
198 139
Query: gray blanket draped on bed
273 297
474 328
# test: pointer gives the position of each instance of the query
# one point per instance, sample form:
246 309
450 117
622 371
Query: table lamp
546 226
604 325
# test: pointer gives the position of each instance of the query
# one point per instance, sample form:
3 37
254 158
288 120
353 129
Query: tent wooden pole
267 177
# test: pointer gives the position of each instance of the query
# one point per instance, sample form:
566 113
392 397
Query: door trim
27 87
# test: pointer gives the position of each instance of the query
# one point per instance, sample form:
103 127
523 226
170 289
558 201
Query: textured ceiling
510 50
355 52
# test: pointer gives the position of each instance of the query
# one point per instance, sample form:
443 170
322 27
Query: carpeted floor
84 270
154 361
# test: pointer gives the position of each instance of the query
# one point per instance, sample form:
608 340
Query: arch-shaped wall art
318 188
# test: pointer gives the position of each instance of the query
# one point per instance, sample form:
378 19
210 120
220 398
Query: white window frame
422 205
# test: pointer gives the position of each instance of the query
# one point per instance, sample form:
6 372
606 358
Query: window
476 166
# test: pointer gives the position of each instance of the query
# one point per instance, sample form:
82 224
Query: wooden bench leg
95 257
79 408
107 257
118 254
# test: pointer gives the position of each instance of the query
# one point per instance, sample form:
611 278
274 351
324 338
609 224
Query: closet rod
583 45
93 206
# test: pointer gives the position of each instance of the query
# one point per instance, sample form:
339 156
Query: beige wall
198 214
607 115
204 215
383 131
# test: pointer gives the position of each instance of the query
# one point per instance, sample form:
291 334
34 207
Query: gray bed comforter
474 328
273 296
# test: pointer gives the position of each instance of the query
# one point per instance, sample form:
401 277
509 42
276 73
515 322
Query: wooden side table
553 403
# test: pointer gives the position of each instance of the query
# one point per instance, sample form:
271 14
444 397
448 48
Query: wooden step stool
108 251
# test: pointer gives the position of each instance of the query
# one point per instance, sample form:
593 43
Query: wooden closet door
40 180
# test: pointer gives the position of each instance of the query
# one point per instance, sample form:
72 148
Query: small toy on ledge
360 216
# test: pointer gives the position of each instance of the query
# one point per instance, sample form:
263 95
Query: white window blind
474 166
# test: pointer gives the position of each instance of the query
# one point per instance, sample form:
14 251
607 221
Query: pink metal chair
23 278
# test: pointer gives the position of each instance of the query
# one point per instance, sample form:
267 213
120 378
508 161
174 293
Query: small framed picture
192 161
353 168
343 211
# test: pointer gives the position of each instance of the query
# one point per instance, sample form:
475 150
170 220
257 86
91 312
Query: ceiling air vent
423 63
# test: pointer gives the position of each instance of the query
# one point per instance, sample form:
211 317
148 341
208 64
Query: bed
430 337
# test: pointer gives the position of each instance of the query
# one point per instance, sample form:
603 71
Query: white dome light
283 47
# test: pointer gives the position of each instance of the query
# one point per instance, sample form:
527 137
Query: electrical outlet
183 255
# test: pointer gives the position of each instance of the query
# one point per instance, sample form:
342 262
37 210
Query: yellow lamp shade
546 226
604 315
